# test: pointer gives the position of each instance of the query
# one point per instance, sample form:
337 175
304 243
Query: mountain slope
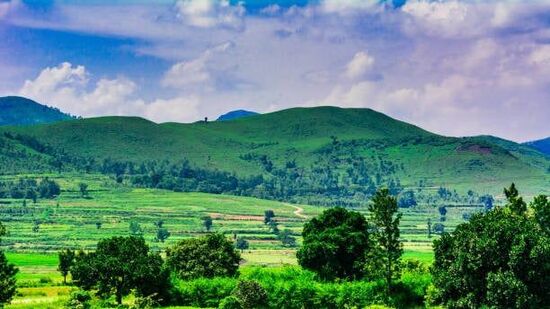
542 145
22 111
349 148
236 114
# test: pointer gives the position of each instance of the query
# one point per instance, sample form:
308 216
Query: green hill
22 111
323 153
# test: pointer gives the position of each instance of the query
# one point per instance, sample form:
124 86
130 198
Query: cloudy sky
453 67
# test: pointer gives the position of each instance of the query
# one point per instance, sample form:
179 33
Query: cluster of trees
7 275
285 236
342 244
31 189
499 259
120 265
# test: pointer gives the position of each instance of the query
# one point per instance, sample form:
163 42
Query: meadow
77 222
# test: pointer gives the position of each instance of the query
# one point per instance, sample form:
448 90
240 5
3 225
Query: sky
456 68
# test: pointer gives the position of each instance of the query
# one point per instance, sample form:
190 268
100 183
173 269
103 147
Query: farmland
71 221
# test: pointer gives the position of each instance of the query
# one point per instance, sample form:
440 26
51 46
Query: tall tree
541 212
207 222
515 202
66 261
7 275
385 217
268 216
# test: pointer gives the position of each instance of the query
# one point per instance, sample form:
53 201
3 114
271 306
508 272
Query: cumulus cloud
211 13
454 67
196 71
66 86
361 63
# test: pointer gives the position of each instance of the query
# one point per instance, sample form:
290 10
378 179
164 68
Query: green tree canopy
209 256
500 259
335 244
7 275
66 260
119 265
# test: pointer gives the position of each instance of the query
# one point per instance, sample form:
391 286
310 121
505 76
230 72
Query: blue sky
453 67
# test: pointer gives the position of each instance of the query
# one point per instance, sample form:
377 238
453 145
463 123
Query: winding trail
298 212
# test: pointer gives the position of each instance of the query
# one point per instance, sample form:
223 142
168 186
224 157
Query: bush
204 292
250 294
79 299
230 302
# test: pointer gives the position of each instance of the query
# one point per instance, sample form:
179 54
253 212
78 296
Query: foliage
251 294
515 202
499 258
208 256
241 244
7 275
541 212
385 217
79 299
286 238
162 234
268 216
207 222
135 228
118 265
334 244
66 261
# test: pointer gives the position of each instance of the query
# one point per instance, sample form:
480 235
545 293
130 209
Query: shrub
79 299
230 302
250 294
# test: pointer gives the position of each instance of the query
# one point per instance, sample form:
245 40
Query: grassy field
69 221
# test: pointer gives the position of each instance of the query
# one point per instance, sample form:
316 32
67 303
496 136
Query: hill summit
236 114
23 111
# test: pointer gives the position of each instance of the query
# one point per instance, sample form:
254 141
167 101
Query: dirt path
298 212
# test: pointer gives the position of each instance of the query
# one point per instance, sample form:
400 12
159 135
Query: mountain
313 153
23 111
240 113
542 145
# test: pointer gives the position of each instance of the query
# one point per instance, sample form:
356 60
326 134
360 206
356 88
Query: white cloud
361 63
196 71
211 13
66 87
348 6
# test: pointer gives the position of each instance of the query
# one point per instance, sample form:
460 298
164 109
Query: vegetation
335 244
7 275
119 265
22 111
498 259
210 256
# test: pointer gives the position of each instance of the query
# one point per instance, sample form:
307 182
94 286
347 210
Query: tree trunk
119 296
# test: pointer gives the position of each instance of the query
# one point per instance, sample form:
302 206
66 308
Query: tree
66 260
407 199
438 228
8 284
385 217
98 225
498 259
268 216
36 226
515 202
241 244
442 212
135 228
274 226
119 265
210 256
541 212
159 223
207 222
429 224
286 238
487 201
83 189
335 244
162 234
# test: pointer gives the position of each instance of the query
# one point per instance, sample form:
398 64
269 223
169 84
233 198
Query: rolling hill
542 145
22 111
236 114
321 150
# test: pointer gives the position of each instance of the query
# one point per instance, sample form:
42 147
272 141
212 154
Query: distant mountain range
542 145
322 150
240 113
22 111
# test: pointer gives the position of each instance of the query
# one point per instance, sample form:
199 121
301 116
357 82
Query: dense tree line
29 189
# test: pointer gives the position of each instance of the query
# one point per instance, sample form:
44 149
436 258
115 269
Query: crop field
73 221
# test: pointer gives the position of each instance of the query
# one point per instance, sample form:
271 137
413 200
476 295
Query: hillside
323 153
22 111
236 114
542 145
